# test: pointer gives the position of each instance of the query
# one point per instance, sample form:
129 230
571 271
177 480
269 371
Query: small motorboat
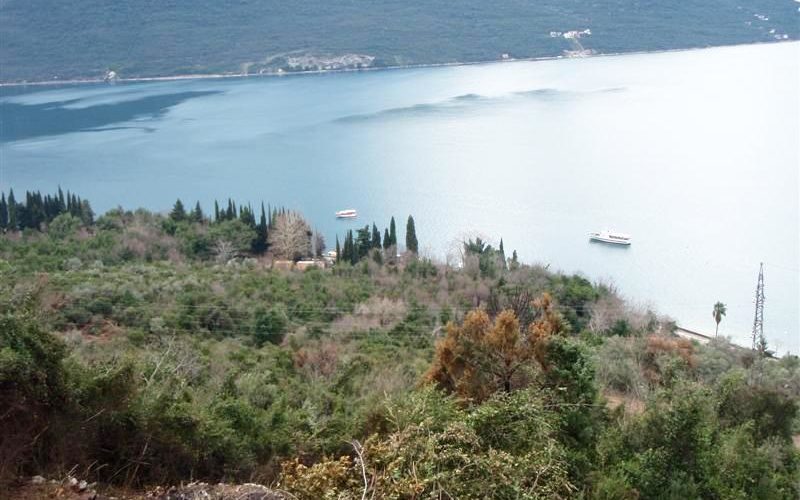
346 214
611 237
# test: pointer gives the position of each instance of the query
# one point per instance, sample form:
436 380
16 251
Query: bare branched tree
291 237
318 244
605 312
224 251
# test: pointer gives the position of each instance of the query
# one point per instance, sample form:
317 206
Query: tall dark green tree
86 213
262 233
73 207
32 215
178 213
3 212
216 211
12 210
345 255
338 250
376 236
502 254
363 242
246 215
197 213
514 264
349 253
387 241
62 205
412 245
392 233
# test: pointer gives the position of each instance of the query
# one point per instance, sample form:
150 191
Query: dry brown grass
630 405
377 312
657 344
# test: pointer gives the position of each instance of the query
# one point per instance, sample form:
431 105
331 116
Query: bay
694 153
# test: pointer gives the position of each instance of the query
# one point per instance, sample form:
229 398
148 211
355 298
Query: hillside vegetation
47 40
141 349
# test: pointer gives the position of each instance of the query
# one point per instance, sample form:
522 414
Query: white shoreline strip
216 76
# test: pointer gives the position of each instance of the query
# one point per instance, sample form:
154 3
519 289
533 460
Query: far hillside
45 40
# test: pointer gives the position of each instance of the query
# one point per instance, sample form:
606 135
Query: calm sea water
696 154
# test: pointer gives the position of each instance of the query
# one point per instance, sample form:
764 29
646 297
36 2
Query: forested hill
48 39
141 350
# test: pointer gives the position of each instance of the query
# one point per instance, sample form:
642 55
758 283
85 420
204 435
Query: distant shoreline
219 76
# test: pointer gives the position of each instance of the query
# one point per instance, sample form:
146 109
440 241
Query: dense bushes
678 448
505 448
32 389
131 350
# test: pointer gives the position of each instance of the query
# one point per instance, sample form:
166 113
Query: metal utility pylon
758 322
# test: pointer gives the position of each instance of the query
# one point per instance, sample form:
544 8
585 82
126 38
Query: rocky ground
71 488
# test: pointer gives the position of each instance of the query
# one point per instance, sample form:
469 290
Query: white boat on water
611 237
346 214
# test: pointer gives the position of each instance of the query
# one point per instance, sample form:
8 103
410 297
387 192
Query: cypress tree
62 206
411 236
12 210
348 247
392 233
363 241
3 212
216 211
74 206
514 260
260 243
353 254
269 216
376 236
24 212
37 213
48 206
87 214
246 215
178 212
20 217
197 213
251 216
338 250
502 254
387 241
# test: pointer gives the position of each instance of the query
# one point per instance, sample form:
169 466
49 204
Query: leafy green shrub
269 325
33 390
771 412
63 226
436 448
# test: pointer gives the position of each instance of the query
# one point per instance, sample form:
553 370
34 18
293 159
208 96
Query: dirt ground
192 491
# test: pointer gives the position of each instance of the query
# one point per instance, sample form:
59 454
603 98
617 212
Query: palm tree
718 312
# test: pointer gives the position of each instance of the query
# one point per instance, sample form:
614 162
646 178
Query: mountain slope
47 39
